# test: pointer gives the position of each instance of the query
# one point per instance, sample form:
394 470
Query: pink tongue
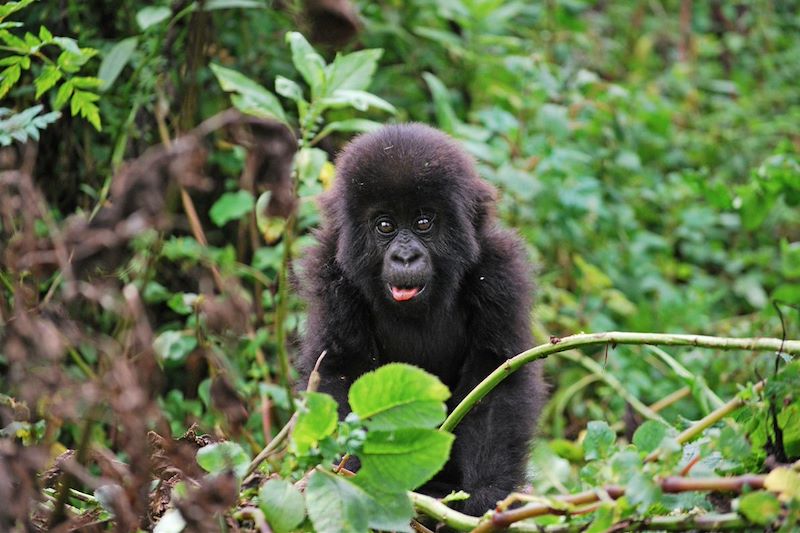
401 295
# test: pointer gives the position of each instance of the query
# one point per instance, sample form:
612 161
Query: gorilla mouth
402 294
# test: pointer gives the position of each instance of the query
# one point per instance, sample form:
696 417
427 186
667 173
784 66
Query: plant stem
613 338
707 421
614 383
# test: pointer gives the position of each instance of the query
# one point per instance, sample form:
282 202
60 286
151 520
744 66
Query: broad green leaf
231 206
353 71
642 491
336 505
649 435
282 505
177 248
152 15
353 124
599 440
250 97
760 507
784 481
445 115
309 163
397 396
271 227
603 519
316 419
359 100
46 80
174 346
115 61
223 456
308 62
390 511
288 89
404 459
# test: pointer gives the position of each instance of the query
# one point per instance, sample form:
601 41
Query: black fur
473 314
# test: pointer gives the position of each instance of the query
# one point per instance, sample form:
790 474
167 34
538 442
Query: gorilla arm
337 322
492 441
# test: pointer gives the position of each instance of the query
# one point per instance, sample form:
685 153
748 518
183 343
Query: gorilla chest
437 346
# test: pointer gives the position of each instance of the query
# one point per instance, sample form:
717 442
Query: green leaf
174 346
14 42
115 61
308 62
649 435
599 440
404 459
359 100
353 124
352 71
152 15
44 35
642 491
309 163
82 103
316 419
282 505
760 507
603 519
335 505
68 45
8 78
46 80
63 94
288 89
397 396
12 7
223 456
784 481
445 115
250 97
390 511
177 248
231 206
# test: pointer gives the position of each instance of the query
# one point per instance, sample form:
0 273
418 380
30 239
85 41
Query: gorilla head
407 208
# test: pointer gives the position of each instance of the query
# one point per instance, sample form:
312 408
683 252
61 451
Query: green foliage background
649 155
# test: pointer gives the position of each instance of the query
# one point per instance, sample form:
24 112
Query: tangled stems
612 338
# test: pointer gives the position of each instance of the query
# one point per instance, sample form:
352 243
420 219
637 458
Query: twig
615 384
575 341
670 399
271 446
286 430
707 421
565 505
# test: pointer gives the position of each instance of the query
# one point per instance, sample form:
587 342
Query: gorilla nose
406 257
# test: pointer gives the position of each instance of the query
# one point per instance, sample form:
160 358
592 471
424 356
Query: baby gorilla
412 266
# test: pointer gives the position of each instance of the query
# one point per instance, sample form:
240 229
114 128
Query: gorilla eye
385 226
423 224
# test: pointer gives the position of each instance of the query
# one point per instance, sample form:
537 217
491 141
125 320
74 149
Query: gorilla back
412 266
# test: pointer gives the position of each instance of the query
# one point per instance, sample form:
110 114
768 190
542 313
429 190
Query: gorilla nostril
406 257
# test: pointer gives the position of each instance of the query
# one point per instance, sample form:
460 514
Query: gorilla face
407 206
407 268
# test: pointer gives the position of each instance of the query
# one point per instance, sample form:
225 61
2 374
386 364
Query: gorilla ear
484 199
